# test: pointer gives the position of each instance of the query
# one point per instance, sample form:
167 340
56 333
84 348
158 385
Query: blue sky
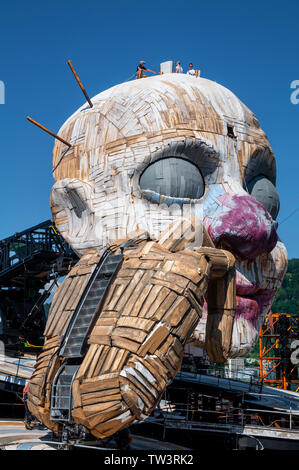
250 48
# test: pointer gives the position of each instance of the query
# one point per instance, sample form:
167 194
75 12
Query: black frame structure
31 262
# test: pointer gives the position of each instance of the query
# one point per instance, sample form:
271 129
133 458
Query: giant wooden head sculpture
155 157
151 149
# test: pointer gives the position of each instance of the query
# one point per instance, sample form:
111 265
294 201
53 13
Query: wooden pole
49 132
261 355
80 84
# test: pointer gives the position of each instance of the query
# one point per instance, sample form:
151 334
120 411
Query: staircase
61 398
94 293
72 348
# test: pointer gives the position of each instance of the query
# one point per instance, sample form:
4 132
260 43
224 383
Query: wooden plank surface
137 341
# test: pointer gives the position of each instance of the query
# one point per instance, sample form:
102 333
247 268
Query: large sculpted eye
172 177
265 192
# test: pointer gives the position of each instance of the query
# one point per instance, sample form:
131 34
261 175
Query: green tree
287 298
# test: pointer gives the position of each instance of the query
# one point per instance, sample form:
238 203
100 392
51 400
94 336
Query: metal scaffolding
276 340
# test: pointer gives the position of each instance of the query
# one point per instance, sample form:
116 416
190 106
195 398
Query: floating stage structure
200 410
204 410
165 189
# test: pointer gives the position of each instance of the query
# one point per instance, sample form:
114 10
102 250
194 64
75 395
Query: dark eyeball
172 177
265 192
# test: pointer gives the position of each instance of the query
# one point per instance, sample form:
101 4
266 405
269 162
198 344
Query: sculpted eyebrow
204 156
261 162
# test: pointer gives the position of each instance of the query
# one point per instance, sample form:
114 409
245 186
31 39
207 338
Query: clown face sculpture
154 158
152 149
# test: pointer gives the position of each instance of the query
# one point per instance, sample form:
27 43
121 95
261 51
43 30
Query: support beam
49 132
80 83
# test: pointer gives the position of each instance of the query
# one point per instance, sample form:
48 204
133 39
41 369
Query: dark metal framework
30 264
26 253
275 344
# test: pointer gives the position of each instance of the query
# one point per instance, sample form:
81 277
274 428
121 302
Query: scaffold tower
278 340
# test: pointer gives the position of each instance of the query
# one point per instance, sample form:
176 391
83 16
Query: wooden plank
114 410
35 401
77 397
109 313
59 300
132 334
221 309
149 264
177 311
159 372
99 398
133 322
177 234
115 292
104 330
186 270
73 289
131 263
186 328
111 426
170 369
153 256
104 340
134 384
88 357
112 361
83 281
154 340
98 409
63 322
93 362
79 416
140 301
106 320
148 302
99 384
163 308
125 343
161 294
130 289
128 305
131 399
35 389
52 342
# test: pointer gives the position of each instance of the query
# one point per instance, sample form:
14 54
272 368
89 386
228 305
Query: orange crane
276 338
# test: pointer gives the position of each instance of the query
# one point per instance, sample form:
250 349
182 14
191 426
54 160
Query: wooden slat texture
137 341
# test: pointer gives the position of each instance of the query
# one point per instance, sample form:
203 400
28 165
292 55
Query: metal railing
223 373
229 415
18 248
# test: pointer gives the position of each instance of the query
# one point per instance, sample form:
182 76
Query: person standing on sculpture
178 68
191 70
140 68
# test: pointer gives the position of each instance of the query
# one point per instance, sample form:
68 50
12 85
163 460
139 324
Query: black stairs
72 348
61 398
92 296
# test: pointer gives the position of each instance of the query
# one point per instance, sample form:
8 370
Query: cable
280 223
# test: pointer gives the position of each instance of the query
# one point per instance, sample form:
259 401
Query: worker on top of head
178 68
141 68
191 70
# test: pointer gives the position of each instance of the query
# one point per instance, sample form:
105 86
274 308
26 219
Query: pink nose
243 225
